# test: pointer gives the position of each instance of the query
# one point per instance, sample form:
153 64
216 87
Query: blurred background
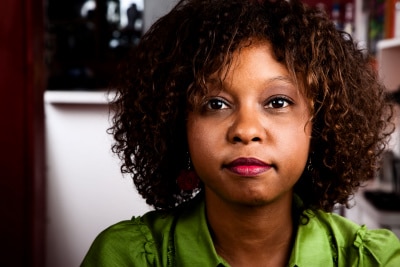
60 184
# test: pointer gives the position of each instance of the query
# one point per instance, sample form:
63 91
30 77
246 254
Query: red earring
188 180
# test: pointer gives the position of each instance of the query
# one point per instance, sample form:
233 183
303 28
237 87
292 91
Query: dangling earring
188 180
310 167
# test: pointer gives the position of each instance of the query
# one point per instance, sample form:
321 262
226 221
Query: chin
259 199
254 201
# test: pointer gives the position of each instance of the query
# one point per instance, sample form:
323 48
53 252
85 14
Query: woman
243 123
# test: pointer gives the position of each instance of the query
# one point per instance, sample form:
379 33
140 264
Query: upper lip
246 162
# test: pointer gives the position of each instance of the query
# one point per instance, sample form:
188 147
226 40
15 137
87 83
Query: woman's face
249 141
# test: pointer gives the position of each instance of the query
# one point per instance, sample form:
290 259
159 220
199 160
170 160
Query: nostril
236 139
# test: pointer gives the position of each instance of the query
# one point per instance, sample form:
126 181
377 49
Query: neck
251 236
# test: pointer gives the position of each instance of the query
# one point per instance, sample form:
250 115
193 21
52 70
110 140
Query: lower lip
249 170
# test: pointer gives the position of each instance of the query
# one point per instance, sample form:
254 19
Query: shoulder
129 242
147 240
359 246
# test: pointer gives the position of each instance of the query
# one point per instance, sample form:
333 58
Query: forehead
255 59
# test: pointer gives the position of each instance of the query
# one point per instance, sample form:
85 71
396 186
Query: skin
249 143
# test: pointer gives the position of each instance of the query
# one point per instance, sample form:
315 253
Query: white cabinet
85 190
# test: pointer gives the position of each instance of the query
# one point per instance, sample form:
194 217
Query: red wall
22 82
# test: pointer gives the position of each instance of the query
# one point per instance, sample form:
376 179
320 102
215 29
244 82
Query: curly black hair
167 73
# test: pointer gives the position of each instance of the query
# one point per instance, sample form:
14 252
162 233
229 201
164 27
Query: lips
247 166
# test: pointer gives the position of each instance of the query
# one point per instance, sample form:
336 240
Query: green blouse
183 239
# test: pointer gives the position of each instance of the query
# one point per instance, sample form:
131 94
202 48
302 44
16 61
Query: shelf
78 97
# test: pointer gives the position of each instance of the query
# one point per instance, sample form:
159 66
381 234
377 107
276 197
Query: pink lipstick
247 166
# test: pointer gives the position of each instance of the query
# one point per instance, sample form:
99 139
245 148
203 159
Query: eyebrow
286 79
214 81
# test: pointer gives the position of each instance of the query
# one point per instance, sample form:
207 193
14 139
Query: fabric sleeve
377 248
128 243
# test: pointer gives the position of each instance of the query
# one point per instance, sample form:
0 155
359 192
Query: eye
278 102
216 103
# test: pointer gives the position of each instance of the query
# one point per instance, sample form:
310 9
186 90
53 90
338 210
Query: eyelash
280 100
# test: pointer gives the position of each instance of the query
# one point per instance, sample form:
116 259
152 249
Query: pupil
216 104
277 103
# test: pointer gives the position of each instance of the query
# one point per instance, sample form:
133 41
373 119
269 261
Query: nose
246 127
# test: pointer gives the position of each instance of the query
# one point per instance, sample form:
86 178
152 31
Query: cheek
200 139
196 135
294 143
300 147
202 142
